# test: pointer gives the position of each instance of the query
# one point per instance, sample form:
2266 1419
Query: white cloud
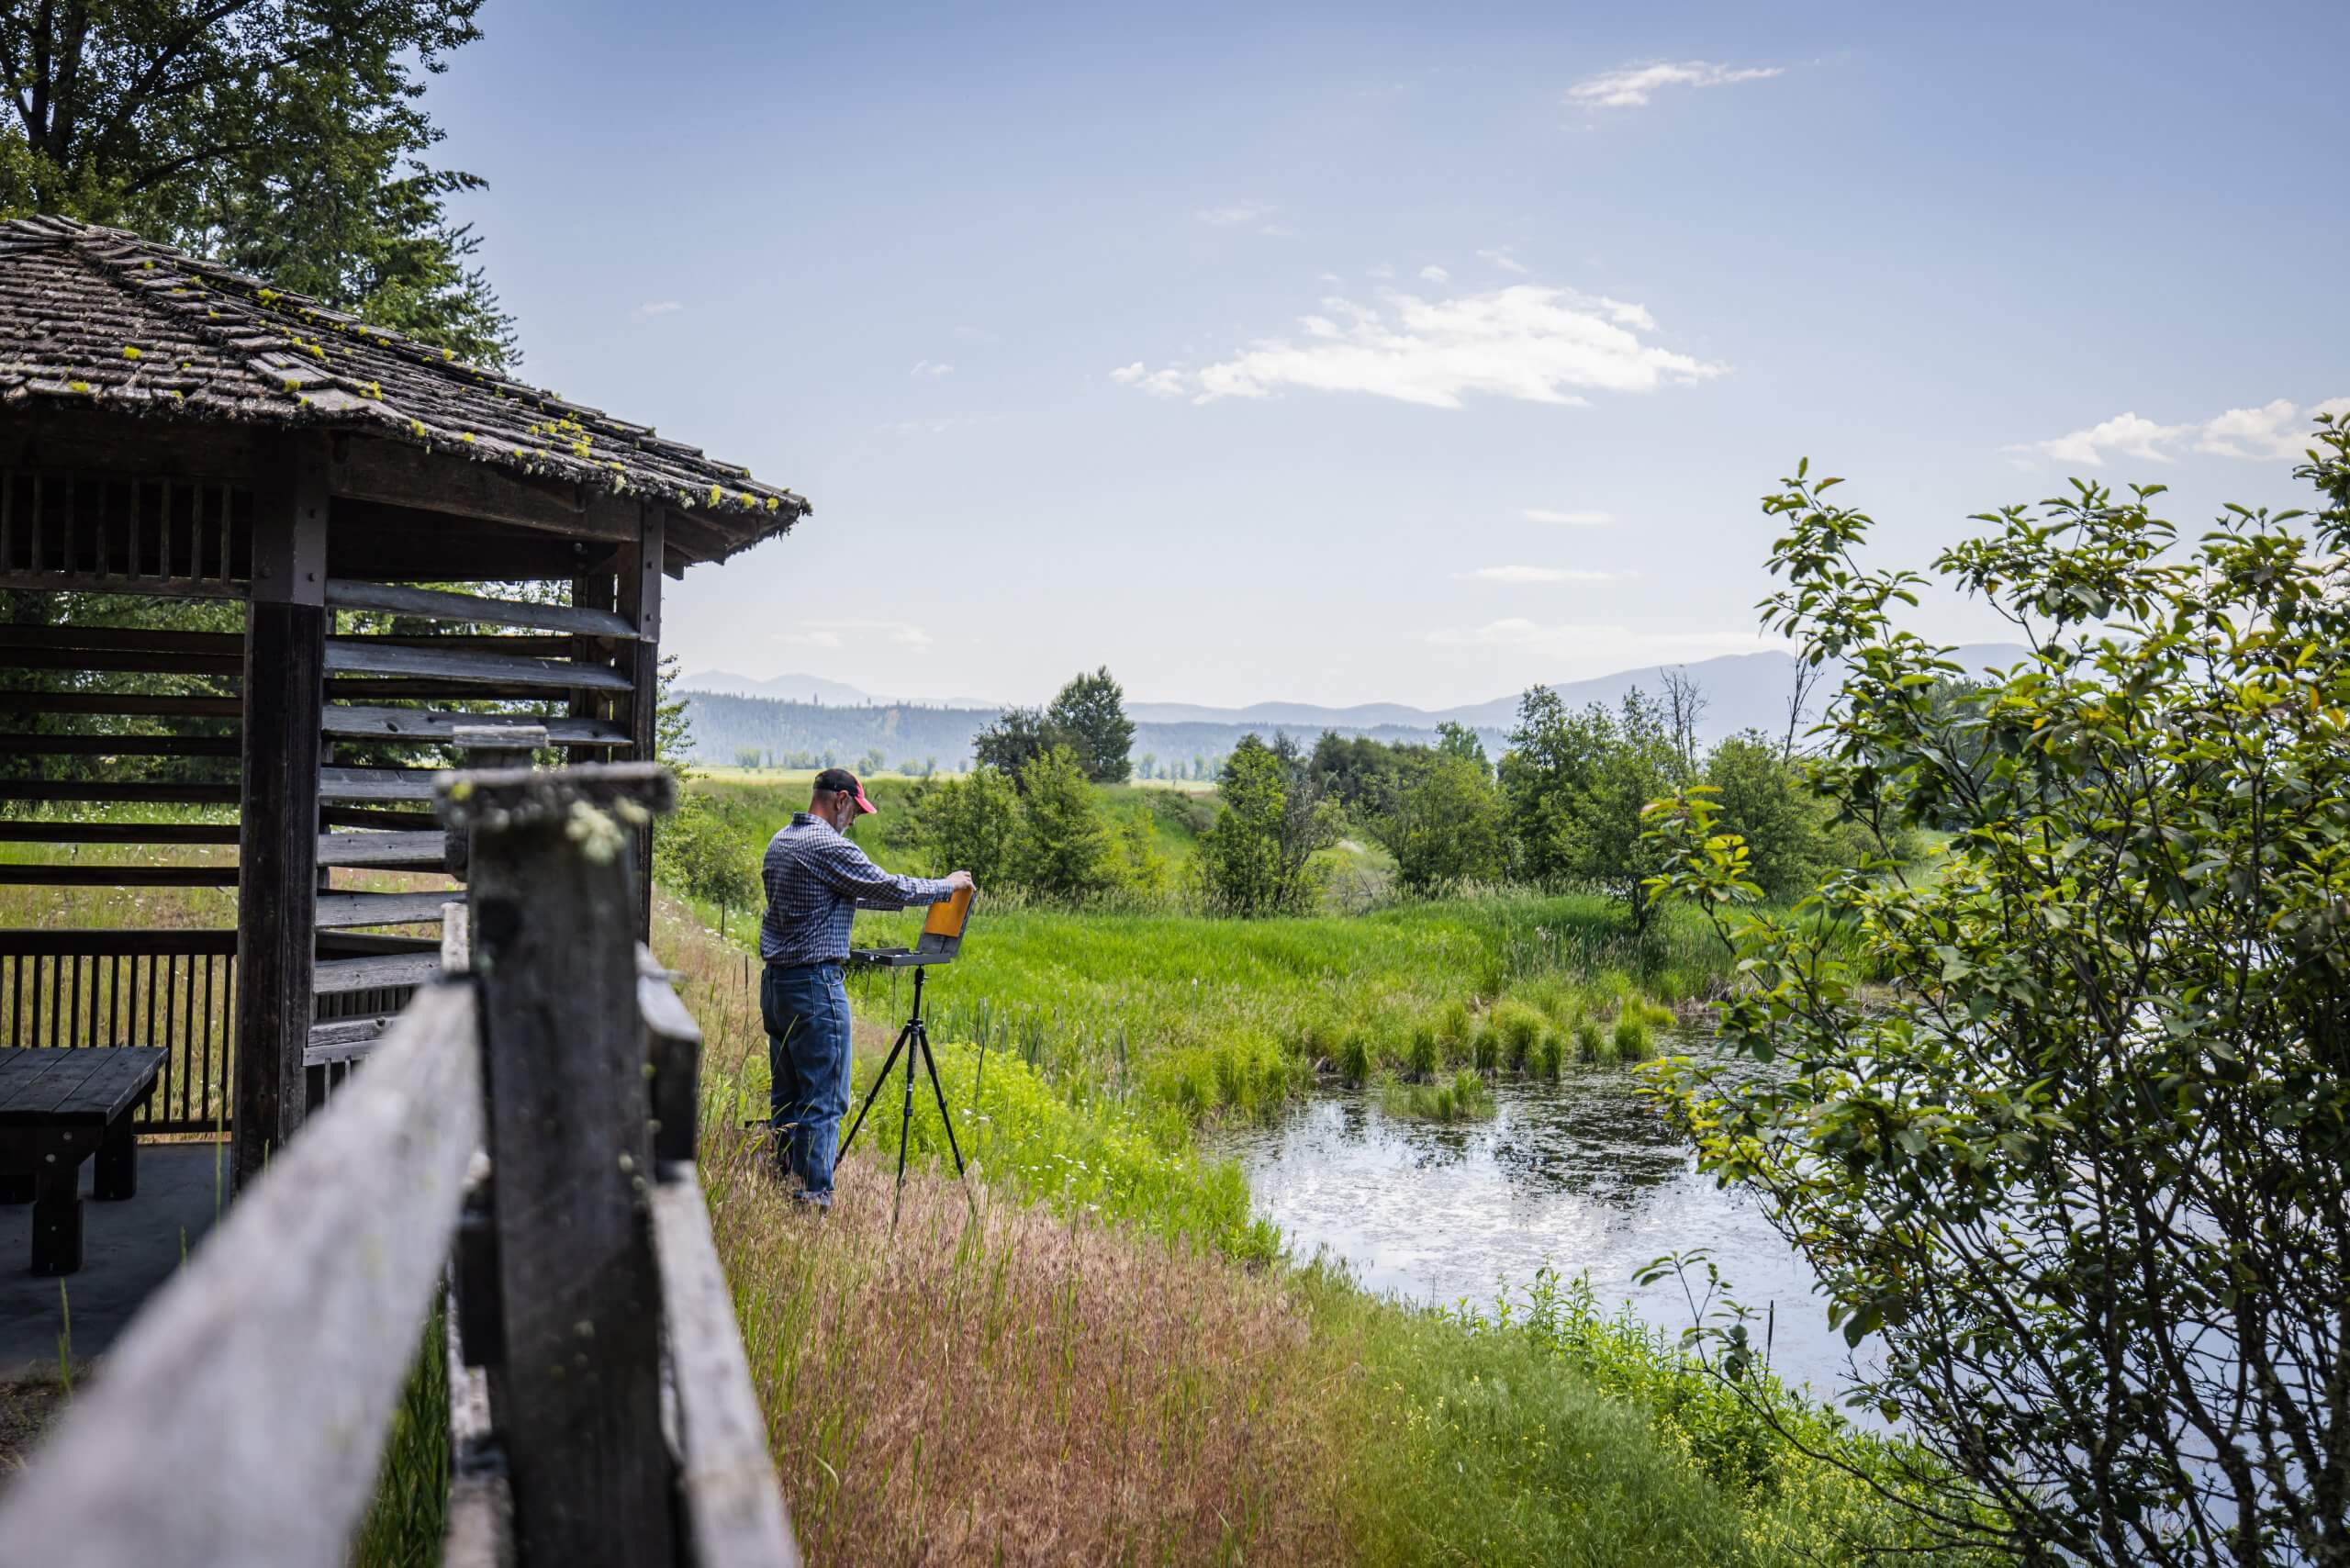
659 308
840 633
1383 271
1528 341
1434 274
2276 431
1503 260
1168 382
1277 232
930 370
1534 575
1631 87
1578 519
1233 215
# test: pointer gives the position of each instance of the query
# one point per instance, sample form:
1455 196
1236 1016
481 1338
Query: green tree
1090 714
288 141
695 853
1066 852
2084 1166
1017 739
1258 858
1553 759
1597 833
1763 800
673 721
972 825
1461 741
1446 827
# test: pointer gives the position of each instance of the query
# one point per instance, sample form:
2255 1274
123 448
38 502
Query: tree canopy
289 140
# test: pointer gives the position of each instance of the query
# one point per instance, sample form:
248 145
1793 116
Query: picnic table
57 1108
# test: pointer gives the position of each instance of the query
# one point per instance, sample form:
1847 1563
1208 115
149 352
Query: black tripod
913 1040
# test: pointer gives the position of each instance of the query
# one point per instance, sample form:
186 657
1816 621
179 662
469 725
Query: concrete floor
129 1249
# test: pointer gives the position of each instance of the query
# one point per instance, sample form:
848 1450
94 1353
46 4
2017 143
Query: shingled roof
96 316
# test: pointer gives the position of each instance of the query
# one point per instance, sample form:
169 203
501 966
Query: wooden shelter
172 431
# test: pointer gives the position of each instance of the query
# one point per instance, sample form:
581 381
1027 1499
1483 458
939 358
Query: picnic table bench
58 1107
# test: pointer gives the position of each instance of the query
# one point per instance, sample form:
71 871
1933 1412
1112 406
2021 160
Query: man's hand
958 880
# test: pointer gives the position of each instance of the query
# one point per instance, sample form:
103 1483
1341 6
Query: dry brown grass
992 1384
1000 1386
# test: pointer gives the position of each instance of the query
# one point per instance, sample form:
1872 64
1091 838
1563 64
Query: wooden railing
131 988
524 1132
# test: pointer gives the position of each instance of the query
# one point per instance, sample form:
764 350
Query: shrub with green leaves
2084 1167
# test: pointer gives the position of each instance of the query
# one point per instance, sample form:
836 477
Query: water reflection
1582 1173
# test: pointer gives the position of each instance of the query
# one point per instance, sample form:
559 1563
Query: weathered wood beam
152 794
369 656
285 626
640 605
379 783
425 725
384 851
377 972
430 603
128 705
577 1283
119 746
344 911
735 1511
13 832
88 875
397 475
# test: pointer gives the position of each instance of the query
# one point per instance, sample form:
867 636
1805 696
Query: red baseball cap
840 781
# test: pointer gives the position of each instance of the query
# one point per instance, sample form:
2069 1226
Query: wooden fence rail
524 1131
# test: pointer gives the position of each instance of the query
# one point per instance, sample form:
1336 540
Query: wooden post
278 828
640 603
555 891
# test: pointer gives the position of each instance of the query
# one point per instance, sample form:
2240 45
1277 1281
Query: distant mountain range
815 688
806 715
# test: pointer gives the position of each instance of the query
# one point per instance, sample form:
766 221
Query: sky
1396 353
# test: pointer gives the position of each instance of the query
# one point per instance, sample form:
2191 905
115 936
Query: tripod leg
946 1119
905 1123
878 1079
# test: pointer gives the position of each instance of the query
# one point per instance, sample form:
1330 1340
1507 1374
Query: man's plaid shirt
816 881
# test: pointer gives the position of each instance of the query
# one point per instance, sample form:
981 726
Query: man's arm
851 873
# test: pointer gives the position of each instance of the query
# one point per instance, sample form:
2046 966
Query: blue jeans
806 1012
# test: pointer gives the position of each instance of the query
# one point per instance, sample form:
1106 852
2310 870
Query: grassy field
1098 1357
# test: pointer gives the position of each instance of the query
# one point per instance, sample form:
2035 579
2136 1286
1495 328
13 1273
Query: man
816 881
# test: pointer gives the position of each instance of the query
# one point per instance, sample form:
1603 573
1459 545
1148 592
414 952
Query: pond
1581 1173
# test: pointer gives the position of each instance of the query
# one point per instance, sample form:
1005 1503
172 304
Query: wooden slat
223 667
119 746
117 833
383 850
160 587
344 911
121 704
342 593
336 976
310 1289
378 783
102 874
672 1051
360 655
353 722
734 1512
372 816
125 639
153 794
345 1040
194 940
400 689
